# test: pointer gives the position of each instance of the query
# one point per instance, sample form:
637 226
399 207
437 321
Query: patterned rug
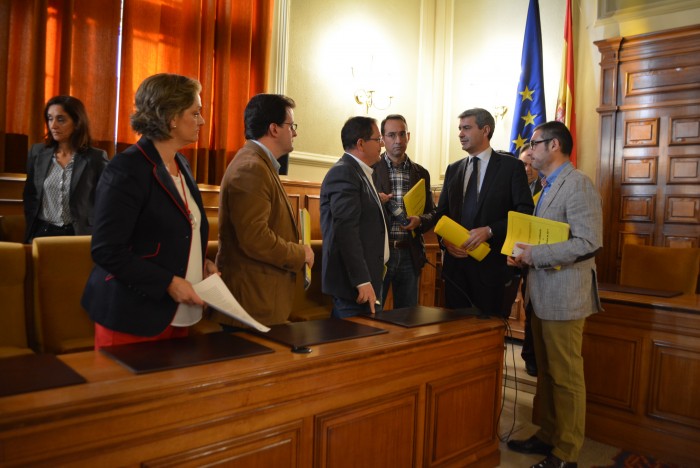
626 459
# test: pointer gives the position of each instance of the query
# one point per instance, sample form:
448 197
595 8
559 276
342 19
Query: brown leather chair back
13 273
61 269
663 268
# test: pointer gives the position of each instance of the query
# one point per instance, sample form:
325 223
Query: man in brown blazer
259 251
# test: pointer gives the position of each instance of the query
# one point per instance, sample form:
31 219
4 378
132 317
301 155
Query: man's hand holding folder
458 236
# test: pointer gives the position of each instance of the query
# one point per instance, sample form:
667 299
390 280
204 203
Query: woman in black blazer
150 236
62 173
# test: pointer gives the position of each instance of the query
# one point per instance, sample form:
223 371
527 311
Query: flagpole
529 109
566 111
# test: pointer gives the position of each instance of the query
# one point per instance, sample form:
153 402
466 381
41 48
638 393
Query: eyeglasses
378 140
394 135
534 143
293 126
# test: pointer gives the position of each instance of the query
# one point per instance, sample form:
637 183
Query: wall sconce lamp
368 99
500 112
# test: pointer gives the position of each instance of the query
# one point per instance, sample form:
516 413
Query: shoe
531 368
554 462
531 445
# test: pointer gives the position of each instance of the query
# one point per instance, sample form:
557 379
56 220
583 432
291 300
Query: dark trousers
464 287
528 351
44 229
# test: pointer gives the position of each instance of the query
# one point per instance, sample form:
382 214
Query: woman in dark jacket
62 173
150 235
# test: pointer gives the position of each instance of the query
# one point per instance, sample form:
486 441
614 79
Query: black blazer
382 182
353 231
141 239
503 189
87 168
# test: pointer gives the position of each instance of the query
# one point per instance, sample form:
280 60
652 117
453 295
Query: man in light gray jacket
562 286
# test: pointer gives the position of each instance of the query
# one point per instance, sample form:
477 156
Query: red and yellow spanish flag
566 112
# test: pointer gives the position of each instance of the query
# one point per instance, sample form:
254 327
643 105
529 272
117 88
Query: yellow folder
414 199
458 235
305 223
527 229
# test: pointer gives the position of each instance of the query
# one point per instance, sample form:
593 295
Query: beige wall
437 58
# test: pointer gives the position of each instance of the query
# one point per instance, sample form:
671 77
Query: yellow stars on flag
529 119
519 142
526 94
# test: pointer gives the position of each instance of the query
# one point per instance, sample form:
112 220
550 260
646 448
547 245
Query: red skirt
106 337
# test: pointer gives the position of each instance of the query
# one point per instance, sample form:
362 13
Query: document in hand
458 235
527 229
414 199
305 222
214 292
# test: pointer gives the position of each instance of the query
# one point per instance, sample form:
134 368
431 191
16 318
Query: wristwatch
490 232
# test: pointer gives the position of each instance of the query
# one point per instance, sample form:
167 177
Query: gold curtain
222 43
50 47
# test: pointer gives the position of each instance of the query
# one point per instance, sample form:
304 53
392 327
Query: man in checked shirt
394 175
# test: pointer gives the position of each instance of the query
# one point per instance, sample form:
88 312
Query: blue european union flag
529 102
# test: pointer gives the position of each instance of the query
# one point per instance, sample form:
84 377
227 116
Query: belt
47 226
400 244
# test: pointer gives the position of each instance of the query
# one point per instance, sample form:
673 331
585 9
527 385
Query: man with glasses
355 243
259 251
394 175
563 290
478 193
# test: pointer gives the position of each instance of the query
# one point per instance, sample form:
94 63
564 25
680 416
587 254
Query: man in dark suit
533 177
394 175
478 193
355 244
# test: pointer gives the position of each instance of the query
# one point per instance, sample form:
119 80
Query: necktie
469 205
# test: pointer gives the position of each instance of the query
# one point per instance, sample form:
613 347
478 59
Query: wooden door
650 143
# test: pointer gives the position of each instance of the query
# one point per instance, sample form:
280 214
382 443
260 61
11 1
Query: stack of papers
527 229
214 292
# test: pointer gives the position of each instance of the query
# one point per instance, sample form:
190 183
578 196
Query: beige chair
13 294
213 241
663 268
61 269
12 228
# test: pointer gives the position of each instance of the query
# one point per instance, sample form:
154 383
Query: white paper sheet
214 292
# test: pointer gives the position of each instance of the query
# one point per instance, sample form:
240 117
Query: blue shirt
550 180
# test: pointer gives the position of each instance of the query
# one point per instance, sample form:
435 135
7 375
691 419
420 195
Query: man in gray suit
562 286
355 243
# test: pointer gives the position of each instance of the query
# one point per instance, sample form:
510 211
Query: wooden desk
642 363
427 396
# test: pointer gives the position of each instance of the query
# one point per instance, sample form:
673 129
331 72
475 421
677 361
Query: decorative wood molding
685 130
640 170
301 158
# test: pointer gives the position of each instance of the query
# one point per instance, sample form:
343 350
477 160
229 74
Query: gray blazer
87 168
571 292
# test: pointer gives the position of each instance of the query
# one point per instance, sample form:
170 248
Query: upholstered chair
663 268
